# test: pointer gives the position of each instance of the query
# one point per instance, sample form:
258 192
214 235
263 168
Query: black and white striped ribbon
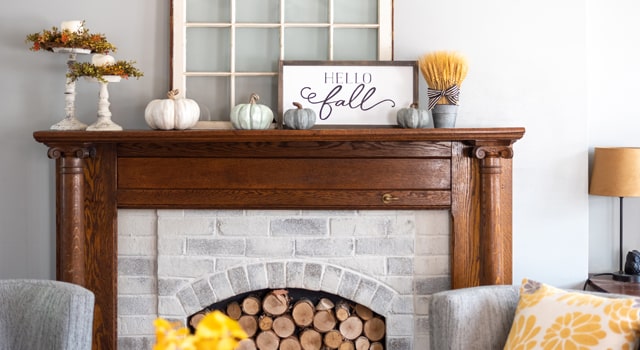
451 94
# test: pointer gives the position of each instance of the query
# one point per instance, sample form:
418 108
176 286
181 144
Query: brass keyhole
388 198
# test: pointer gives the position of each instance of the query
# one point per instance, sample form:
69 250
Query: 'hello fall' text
341 96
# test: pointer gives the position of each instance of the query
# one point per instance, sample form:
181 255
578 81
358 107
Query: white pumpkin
172 113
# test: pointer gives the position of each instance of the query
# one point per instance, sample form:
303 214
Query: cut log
195 319
246 344
325 304
351 328
346 345
251 305
275 303
273 321
283 326
363 312
234 310
265 322
249 324
267 341
302 312
376 346
310 339
374 329
362 343
324 321
290 343
332 339
343 310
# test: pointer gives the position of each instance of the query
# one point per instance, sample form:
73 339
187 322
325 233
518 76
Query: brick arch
315 276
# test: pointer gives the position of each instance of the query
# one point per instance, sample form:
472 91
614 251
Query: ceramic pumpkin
413 117
299 118
172 113
251 115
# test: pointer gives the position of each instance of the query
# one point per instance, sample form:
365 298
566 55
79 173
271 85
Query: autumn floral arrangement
103 65
216 331
72 35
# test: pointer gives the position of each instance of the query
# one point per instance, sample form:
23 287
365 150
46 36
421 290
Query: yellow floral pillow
550 318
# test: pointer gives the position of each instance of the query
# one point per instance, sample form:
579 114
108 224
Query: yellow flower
623 318
216 331
574 330
169 336
523 334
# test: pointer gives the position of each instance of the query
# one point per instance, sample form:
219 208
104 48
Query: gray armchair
42 314
472 318
477 318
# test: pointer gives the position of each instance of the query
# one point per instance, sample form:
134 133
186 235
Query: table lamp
616 173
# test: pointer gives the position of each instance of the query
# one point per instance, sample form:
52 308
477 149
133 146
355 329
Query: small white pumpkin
251 115
172 113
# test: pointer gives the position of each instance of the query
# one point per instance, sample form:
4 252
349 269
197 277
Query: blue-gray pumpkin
413 117
299 118
251 115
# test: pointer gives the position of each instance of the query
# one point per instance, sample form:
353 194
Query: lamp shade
616 172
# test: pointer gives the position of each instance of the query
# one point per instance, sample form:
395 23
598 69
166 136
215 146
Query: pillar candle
73 26
102 60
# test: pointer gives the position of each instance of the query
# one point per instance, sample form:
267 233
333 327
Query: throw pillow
550 318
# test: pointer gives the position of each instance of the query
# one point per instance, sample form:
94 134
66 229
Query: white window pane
258 11
306 44
257 49
356 11
204 53
212 94
306 11
208 11
355 44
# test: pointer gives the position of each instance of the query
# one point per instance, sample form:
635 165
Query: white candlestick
72 26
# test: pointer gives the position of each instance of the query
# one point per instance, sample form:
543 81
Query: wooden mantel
465 170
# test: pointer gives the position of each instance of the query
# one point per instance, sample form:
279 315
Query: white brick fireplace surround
173 263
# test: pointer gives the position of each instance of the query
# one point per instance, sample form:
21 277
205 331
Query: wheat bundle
444 72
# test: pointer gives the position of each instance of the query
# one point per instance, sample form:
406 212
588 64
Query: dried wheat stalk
443 70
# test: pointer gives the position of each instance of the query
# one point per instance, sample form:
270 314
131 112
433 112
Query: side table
606 284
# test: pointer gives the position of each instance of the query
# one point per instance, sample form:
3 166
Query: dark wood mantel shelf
468 171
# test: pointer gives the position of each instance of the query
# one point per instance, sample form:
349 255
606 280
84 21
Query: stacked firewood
276 322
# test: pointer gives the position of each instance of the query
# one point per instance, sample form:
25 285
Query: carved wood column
70 228
495 230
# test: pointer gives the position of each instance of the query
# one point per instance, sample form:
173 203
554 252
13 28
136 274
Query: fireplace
105 178
174 263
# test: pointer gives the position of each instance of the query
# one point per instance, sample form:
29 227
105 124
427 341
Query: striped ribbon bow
451 94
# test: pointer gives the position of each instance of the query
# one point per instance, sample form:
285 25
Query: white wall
529 66
32 98
614 57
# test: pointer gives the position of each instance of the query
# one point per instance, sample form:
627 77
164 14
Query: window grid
180 27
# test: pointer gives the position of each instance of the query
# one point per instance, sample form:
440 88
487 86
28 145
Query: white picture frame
345 93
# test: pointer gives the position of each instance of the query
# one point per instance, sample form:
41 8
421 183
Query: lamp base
623 277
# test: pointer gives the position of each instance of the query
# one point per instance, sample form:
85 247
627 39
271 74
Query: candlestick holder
70 122
104 122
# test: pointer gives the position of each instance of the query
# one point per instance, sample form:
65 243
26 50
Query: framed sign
348 92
